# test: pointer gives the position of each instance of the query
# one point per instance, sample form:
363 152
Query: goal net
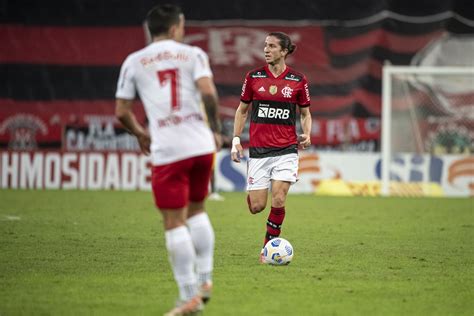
427 124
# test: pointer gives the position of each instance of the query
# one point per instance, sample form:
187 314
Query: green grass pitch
103 253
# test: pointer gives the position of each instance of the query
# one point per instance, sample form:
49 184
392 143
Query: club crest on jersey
273 89
287 92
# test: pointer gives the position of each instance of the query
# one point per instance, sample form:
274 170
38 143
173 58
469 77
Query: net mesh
431 132
432 113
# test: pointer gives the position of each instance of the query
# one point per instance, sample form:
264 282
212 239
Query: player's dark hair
285 41
161 17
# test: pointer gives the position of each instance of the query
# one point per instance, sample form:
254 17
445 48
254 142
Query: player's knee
256 208
173 222
278 201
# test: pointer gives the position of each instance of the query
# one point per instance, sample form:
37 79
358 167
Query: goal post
426 112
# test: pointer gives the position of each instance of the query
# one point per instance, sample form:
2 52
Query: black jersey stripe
263 152
273 112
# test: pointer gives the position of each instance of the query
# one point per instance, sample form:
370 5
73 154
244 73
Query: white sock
203 238
182 257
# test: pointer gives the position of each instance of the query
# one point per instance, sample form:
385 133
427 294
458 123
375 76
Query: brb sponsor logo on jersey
264 110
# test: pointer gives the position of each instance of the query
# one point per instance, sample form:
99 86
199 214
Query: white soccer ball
278 251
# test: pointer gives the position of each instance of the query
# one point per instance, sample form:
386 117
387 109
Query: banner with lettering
320 173
60 95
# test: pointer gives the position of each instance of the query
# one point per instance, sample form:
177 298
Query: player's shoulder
259 72
293 75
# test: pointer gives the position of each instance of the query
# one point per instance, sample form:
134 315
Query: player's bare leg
257 200
202 235
279 192
195 208
173 218
182 256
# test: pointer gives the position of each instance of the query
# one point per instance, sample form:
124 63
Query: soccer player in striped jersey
271 95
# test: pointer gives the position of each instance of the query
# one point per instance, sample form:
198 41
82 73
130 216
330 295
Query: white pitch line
12 218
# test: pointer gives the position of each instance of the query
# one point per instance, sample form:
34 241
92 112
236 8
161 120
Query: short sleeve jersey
164 75
273 114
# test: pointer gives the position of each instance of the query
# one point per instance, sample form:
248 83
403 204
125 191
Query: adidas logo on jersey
264 110
262 89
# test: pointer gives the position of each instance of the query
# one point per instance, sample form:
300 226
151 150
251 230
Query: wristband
235 141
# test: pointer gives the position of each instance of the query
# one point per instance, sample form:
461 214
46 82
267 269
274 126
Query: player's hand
237 152
218 141
304 141
144 141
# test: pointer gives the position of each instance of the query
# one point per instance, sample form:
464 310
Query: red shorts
177 183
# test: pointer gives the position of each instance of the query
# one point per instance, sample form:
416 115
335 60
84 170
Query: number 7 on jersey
172 76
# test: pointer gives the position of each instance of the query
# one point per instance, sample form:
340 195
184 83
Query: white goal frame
388 72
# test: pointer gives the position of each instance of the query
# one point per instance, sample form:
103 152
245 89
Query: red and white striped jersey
273 114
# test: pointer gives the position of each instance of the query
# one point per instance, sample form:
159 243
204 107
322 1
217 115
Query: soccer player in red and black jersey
275 92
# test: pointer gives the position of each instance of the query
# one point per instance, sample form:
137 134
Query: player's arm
210 99
304 140
124 113
241 114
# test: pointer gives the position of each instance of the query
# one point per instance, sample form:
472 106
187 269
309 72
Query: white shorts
260 171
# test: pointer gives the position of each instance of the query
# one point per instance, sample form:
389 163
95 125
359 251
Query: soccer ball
278 251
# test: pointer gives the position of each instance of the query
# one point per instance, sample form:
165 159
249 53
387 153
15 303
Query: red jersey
273 114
